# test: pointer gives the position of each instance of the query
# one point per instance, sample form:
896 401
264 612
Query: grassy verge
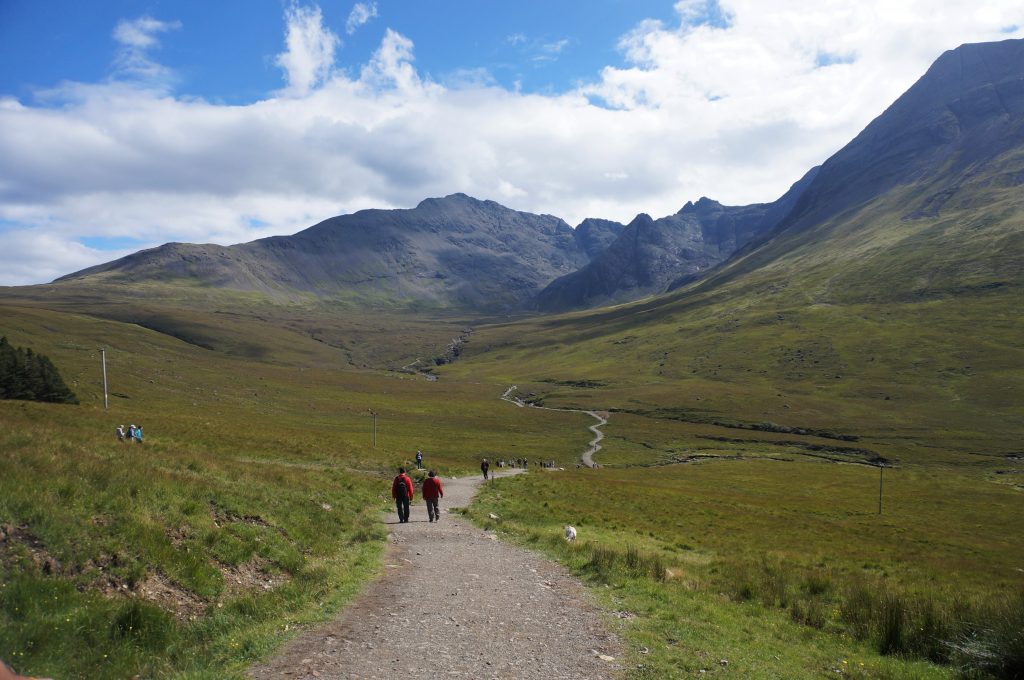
779 569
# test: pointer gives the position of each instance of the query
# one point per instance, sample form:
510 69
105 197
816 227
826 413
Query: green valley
812 465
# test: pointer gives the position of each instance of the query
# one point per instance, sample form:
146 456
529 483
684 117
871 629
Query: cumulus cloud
361 13
734 109
309 57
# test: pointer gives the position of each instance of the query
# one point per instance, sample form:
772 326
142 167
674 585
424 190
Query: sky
126 124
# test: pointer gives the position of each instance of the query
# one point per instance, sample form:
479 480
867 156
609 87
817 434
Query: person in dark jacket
432 491
484 467
401 491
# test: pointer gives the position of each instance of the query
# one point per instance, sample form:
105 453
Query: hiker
419 460
120 433
131 432
431 492
138 434
401 491
484 467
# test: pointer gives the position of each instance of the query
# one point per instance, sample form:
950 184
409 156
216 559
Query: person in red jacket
431 492
401 491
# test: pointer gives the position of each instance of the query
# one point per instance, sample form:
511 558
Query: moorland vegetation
812 462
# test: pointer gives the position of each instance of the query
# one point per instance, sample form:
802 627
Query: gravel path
595 443
587 457
455 602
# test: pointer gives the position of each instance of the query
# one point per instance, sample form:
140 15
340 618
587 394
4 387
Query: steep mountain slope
885 304
651 254
595 235
926 199
455 251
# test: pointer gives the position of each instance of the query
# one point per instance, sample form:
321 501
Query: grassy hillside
250 508
902 333
748 414
735 515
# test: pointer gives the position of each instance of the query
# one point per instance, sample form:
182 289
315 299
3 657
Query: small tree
27 375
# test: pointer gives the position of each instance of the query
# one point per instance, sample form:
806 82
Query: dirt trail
455 602
595 443
587 457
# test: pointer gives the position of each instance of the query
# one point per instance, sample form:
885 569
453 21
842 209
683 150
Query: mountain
455 251
649 255
886 304
923 198
595 235
926 200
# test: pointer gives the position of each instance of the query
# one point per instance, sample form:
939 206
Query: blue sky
224 51
129 123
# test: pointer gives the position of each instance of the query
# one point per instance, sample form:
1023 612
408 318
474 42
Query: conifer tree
27 375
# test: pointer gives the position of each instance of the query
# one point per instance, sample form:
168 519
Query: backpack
401 488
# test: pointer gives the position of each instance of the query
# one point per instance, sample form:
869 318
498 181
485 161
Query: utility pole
881 468
103 359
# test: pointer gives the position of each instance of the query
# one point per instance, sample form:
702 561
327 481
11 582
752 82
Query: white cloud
309 57
132 61
141 33
361 13
35 255
556 46
734 110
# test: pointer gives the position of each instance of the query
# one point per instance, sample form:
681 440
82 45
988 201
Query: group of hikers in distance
514 462
134 433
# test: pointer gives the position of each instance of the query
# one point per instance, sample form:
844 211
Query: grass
776 553
734 518
251 508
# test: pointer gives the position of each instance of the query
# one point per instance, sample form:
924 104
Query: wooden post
103 359
881 468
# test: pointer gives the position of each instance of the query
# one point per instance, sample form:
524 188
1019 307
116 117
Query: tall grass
982 635
607 562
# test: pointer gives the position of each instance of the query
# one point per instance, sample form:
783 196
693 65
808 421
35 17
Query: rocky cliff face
651 255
